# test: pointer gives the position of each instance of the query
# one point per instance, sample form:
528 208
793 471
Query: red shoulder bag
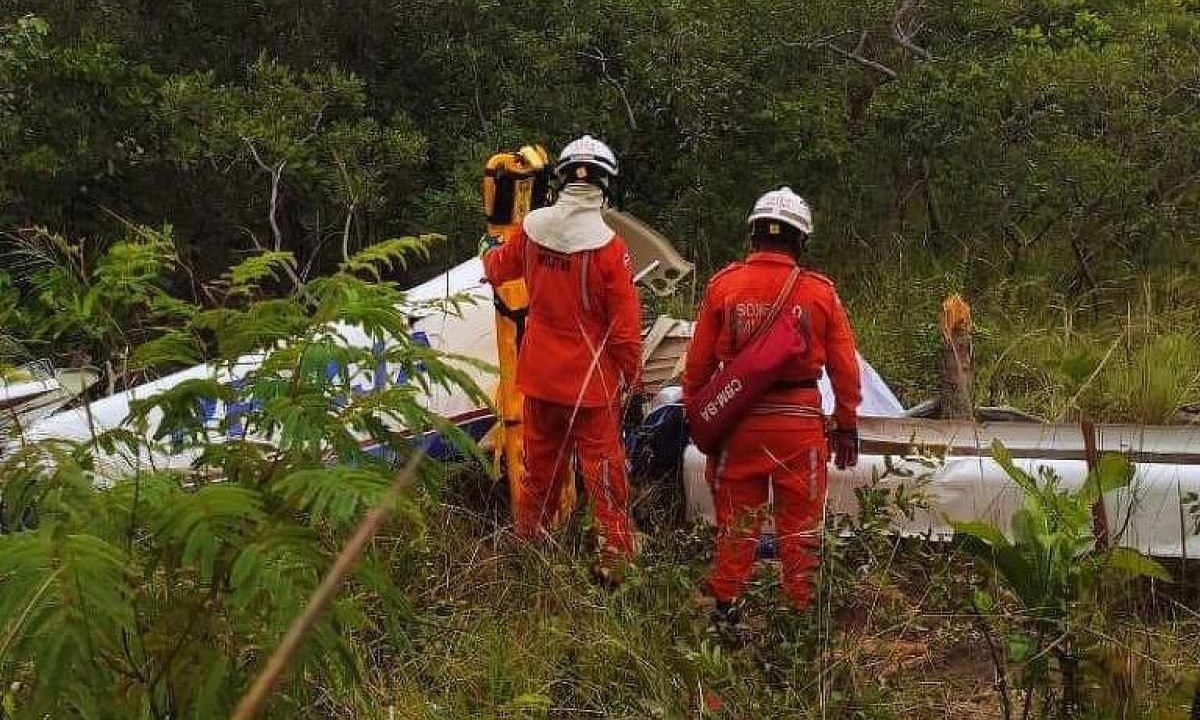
780 341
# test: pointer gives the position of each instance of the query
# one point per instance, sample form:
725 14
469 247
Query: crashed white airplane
1151 514
36 391
468 330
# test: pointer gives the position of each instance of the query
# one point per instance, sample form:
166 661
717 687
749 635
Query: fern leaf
210 524
213 694
251 272
263 325
65 601
178 347
338 494
387 254
48 480
1135 564
182 407
272 577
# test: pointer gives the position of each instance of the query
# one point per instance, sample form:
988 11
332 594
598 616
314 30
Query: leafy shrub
158 596
1052 571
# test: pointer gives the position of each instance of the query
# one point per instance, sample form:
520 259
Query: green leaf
338 494
1113 471
1019 646
212 690
1021 575
986 532
1004 459
64 598
1132 562
209 524
177 347
373 259
983 601
1030 523
254 270
182 407
273 575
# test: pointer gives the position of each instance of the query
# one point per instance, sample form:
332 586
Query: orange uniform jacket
582 341
740 296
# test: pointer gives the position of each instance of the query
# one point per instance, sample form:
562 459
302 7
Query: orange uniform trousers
553 432
771 467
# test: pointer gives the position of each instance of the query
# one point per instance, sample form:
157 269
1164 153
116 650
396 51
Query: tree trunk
958 367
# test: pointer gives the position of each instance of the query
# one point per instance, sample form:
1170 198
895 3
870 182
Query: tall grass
1154 379
502 630
1127 353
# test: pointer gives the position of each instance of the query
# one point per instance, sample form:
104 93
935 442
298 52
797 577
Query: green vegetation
1037 155
187 181
1060 582
150 597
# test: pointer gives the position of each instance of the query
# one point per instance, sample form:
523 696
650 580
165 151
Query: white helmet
785 206
590 153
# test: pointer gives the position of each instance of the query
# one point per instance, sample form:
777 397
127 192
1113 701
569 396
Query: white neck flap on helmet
573 223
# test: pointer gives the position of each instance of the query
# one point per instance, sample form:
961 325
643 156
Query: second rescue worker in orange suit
781 446
582 347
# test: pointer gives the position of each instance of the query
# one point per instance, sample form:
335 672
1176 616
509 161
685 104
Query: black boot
726 612
726 622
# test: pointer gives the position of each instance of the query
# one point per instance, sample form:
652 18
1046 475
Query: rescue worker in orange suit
779 450
582 347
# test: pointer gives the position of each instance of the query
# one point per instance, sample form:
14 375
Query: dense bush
1032 154
156 593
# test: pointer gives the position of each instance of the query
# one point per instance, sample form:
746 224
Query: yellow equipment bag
513 184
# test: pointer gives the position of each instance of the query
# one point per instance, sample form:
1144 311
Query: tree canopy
1036 152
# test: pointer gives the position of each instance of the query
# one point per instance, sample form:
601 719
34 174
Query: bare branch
254 153
306 271
1027 242
286 267
1083 260
346 233
275 178
862 42
253 238
476 84
1172 193
819 41
316 126
828 41
602 60
351 205
905 36
276 174
864 61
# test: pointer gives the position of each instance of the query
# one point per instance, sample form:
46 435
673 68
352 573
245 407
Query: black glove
635 410
843 446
